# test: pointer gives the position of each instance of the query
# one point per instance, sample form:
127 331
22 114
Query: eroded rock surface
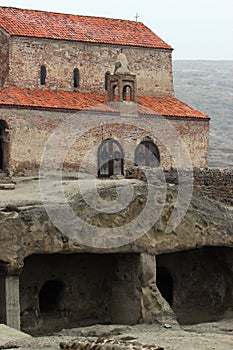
207 336
93 283
26 228
10 337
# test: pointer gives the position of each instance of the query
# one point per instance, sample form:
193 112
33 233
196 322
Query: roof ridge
70 14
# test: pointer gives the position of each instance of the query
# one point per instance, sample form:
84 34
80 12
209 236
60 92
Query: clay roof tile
41 24
76 101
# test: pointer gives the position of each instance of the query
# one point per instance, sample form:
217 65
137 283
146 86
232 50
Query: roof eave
56 109
168 48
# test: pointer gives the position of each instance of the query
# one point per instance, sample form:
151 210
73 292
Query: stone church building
61 67
54 65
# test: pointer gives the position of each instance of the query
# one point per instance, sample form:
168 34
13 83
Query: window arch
106 80
42 75
147 154
110 158
76 77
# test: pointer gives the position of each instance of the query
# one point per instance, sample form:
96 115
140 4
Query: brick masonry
29 130
213 183
153 67
4 57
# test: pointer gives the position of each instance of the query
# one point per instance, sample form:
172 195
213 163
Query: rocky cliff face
26 228
102 267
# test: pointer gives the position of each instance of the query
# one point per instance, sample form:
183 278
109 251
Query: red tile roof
168 106
56 99
75 101
52 25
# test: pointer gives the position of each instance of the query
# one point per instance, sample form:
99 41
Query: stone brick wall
29 131
153 67
4 57
216 184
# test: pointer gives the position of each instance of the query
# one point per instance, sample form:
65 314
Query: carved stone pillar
9 300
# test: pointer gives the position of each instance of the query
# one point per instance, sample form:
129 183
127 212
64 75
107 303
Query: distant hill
208 86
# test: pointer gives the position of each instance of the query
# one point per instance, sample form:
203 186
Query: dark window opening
110 158
76 77
3 144
42 75
164 283
106 80
147 154
50 296
127 93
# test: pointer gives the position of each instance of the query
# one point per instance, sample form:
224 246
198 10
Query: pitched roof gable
76 101
41 24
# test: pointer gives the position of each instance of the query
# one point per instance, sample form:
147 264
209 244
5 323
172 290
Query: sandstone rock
7 186
125 272
10 337
207 222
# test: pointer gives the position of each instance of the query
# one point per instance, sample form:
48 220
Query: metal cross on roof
136 17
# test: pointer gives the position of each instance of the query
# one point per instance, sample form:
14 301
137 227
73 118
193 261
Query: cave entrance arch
165 284
50 296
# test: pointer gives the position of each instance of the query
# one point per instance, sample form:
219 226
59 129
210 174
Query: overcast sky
196 29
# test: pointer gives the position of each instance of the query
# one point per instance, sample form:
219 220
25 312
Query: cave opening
197 283
164 283
70 290
50 296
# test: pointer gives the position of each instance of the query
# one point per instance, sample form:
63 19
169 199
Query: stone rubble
106 344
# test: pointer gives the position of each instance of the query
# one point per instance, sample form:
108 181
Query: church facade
54 65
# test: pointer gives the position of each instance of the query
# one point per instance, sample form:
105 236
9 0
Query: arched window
4 145
147 154
42 75
110 158
106 80
127 93
76 77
